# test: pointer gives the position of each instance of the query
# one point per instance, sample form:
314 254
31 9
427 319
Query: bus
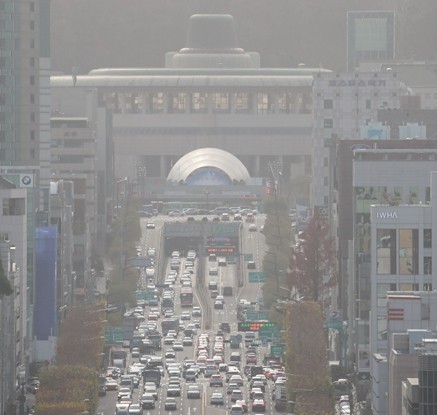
171 323
118 357
186 297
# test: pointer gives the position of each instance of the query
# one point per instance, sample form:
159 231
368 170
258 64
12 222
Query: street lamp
207 191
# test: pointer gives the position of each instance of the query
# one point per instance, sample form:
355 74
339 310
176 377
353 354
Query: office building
370 37
343 104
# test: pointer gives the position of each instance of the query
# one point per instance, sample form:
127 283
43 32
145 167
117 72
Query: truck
280 397
118 357
152 375
235 341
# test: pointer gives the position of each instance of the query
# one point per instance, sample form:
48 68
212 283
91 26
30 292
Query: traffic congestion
186 354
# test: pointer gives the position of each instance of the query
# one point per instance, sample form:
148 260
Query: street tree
278 233
312 268
306 360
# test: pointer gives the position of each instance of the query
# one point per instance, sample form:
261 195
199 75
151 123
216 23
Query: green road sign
268 332
277 350
257 276
248 257
114 335
257 315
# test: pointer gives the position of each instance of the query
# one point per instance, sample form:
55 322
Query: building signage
221 249
256 326
388 214
356 82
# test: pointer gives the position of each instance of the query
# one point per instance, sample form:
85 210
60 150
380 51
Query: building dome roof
208 158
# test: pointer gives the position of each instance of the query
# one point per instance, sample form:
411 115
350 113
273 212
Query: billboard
45 313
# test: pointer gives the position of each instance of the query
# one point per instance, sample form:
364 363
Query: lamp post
207 191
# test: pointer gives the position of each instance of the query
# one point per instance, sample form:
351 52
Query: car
216 219
170 404
225 217
174 390
196 311
32 385
236 395
230 388
170 354
214 293
216 380
111 384
187 341
258 405
135 409
213 271
122 409
252 227
236 410
259 384
150 225
169 339
186 315
178 346
251 265
243 404
218 305
237 217
147 401
124 392
193 392
191 374
250 218
152 390
217 398
176 212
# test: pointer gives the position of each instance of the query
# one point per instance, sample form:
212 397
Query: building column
256 166
163 166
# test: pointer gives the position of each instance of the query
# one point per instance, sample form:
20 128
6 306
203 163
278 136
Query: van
212 258
126 381
121 409
235 357
212 285
221 262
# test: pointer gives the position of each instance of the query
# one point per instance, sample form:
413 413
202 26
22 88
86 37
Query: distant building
210 94
370 37
343 104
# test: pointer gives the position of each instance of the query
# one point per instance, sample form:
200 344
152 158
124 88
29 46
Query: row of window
397 252
202 102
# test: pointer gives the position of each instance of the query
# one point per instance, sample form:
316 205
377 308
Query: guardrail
202 292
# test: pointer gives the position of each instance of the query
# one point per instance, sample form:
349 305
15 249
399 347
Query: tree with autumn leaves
312 268
309 383
70 384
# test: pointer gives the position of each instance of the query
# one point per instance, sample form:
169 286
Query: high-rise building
370 37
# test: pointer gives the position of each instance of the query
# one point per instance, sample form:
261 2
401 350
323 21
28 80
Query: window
32 6
220 102
427 265
325 181
408 252
32 62
158 102
242 102
32 80
326 161
199 102
328 104
368 104
32 117
32 98
427 286
386 251
427 238
32 25
328 123
177 102
32 135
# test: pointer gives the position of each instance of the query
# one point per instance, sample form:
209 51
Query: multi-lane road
252 243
